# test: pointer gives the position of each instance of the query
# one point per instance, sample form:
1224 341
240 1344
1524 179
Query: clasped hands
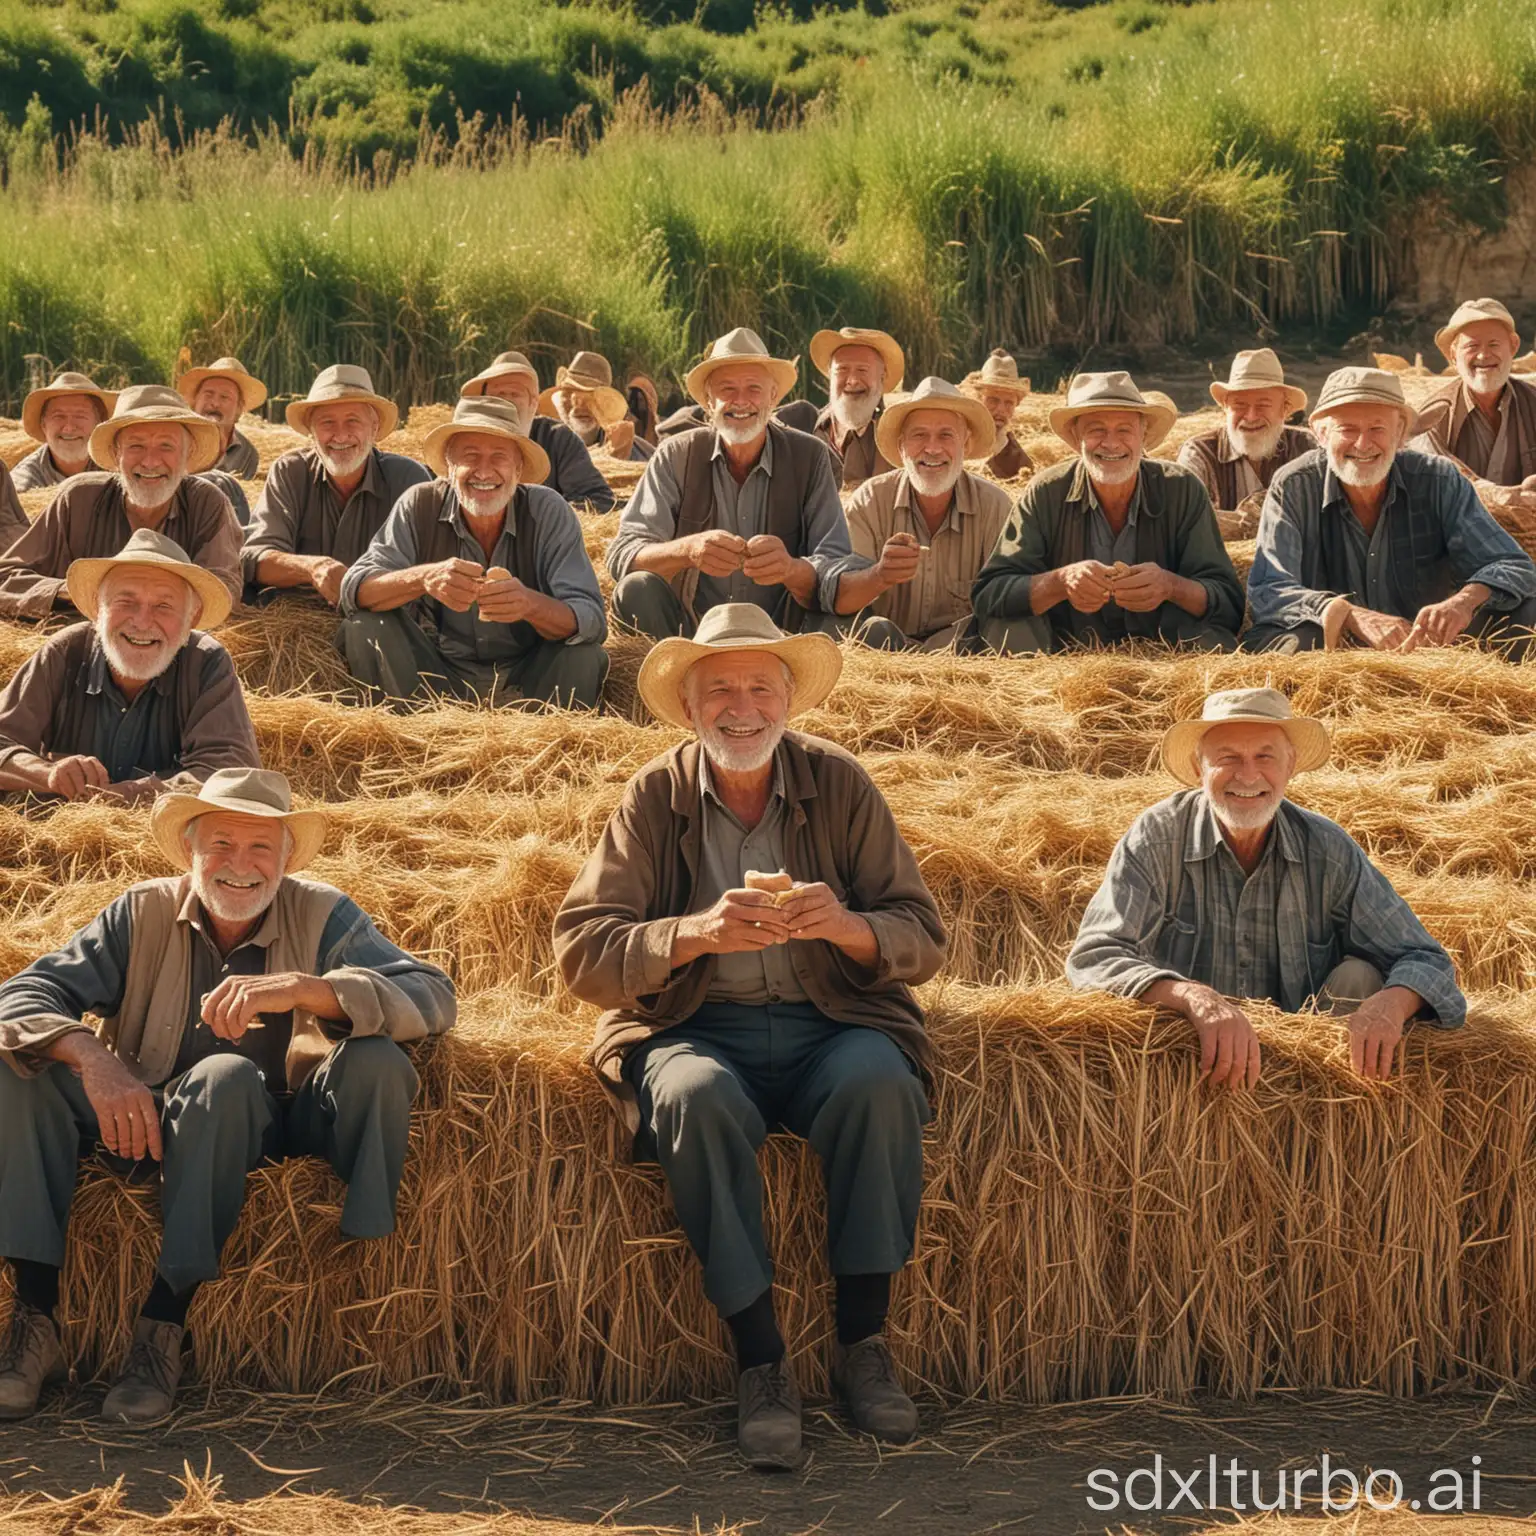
763 559
1091 584
461 584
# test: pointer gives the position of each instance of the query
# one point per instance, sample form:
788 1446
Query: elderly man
583 397
1365 542
1110 546
1239 458
998 386
752 922
322 505
744 510
61 418
860 368
504 603
925 529
1227 890
249 1016
223 392
572 474
136 701
154 448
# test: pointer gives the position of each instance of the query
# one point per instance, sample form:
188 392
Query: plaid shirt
1433 536
1314 900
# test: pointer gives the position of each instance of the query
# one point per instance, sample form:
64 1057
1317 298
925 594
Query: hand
78 778
454 583
237 1000
716 552
768 563
325 577
1087 584
1380 631
505 602
1143 589
739 921
619 438
1229 1048
1440 623
814 912
900 559
1375 1031
127 1117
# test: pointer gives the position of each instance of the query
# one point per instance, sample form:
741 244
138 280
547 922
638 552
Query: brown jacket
13 517
862 459
1009 459
614 931
1443 430
1229 476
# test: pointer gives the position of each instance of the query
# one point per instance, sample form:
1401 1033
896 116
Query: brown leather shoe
32 1359
865 1374
146 1391
768 1417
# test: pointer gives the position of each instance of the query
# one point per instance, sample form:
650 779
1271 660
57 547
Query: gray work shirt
1106 546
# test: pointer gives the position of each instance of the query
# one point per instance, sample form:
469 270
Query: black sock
37 1284
758 1341
163 1305
862 1303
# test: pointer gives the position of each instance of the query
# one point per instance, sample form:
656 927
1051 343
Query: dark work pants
1509 632
645 603
1034 633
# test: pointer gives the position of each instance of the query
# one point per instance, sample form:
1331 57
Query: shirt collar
192 914
1334 494
764 459
962 500
98 676
369 484
453 515
1469 405
1082 492
1205 839
707 779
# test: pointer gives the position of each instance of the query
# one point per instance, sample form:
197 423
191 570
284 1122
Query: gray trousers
1034 632
883 635
711 1089
1348 985
391 653
1509 632
646 604
218 1123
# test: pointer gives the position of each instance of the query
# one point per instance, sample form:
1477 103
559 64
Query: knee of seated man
220 1078
698 1092
371 1065
875 1076
1353 980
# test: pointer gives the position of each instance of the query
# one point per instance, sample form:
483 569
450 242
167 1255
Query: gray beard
855 412
340 467
1257 446
138 666
738 433
1352 474
732 756
1486 384
932 482
161 497
224 905
1109 474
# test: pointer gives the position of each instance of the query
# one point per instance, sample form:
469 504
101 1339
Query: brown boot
866 1376
32 1359
768 1417
146 1390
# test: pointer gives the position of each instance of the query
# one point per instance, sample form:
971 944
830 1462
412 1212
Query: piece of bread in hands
778 884
498 573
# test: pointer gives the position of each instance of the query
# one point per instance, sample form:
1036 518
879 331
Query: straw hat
1000 372
1259 369
740 346
499 418
825 344
935 395
145 546
1090 392
253 393
64 384
590 373
1470 313
506 363
814 659
342 381
245 792
156 403
1364 386
1255 706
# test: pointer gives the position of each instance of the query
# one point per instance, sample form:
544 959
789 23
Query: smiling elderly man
742 511
322 505
139 699
1227 890
154 447
927 528
249 1016
223 392
999 387
1110 546
860 368
1365 542
583 397
61 417
503 602
752 921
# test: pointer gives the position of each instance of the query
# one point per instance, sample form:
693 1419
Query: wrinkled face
520 390
152 461
1110 443
1244 770
219 400
1255 420
575 408
933 450
483 470
738 702
855 380
1362 441
143 617
68 421
237 862
741 400
1483 354
1000 407
344 433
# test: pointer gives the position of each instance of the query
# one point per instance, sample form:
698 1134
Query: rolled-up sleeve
382 989
392 548
649 517
1115 949
1288 525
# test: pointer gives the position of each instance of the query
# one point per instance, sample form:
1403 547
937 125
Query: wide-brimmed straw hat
253 393
814 660
935 395
825 345
63 384
505 363
1363 386
1247 706
145 546
1090 392
342 381
1000 372
1258 369
740 346
591 374
156 405
498 418
244 792
1471 313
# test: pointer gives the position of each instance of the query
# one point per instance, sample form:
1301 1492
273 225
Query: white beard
138 665
1110 474
929 481
736 756
483 504
231 906
853 413
1486 381
343 466
739 433
1238 819
1257 446
146 499
1359 475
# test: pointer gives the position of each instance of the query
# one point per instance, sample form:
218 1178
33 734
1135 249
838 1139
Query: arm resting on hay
1480 550
379 988
1203 557
1287 528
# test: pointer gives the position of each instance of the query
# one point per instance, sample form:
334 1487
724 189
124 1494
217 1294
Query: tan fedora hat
63 384
1090 392
1248 706
825 345
499 418
156 403
145 546
1258 369
342 381
242 792
814 660
506 363
591 374
935 395
1363 386
1000 372
1471 313
253 393
739 346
